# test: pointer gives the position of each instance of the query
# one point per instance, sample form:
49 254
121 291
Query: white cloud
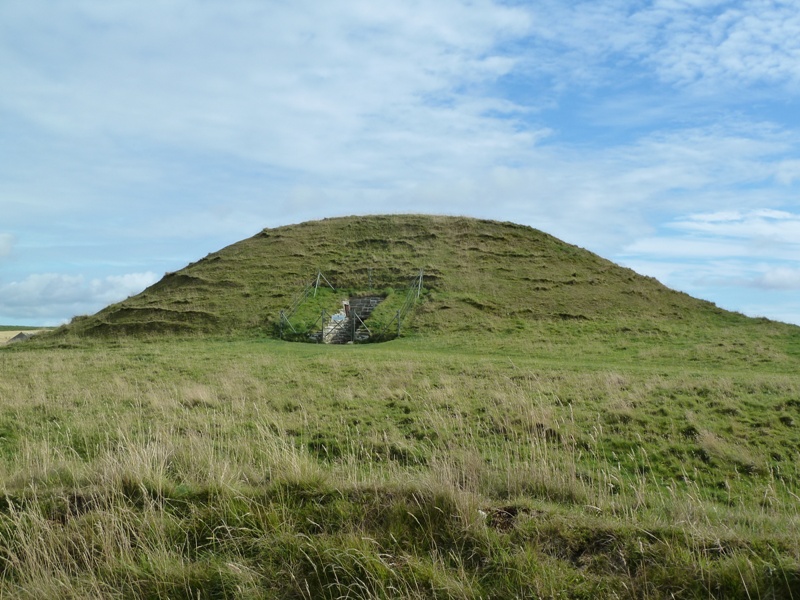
185 107
358 100
672 247
290 85
767 230
755 254
46 295
755 288
604 199
729 216
750 43
714 46
741 235
779 278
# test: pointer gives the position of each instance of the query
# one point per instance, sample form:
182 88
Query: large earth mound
479 276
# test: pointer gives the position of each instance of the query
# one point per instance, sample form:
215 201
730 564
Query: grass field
254 468
525 450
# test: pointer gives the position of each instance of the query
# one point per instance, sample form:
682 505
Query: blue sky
138 137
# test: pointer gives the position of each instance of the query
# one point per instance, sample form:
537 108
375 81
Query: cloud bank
38 297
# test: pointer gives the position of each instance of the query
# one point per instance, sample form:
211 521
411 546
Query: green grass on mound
479 277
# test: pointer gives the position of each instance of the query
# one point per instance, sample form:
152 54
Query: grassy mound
480 276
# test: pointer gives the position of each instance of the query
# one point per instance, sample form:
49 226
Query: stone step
341 332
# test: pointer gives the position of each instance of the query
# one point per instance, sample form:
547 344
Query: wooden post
398 323
322 327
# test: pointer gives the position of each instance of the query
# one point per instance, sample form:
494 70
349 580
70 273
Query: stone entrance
348 325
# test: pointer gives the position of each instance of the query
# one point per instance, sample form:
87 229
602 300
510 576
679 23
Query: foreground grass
247 469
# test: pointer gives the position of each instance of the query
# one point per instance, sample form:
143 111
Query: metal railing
412 297
320 330
300 298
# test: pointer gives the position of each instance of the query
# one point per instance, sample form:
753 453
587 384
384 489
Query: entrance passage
348 325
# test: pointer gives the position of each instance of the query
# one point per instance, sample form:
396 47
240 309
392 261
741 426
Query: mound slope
481 276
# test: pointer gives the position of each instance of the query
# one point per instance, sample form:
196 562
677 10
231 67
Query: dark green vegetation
551 425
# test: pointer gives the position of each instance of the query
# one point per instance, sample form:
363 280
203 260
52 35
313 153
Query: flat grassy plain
549 425
426 467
